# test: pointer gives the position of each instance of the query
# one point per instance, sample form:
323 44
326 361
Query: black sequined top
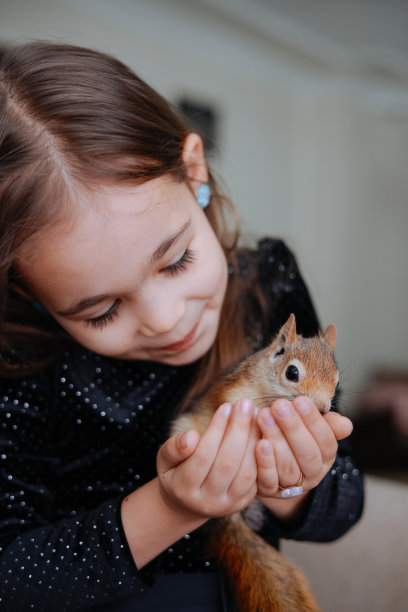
79 436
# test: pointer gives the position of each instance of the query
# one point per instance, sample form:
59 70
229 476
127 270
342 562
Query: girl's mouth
183 344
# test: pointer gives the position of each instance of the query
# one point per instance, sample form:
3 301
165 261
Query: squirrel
261 578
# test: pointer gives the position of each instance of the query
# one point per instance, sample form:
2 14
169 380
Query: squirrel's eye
292 373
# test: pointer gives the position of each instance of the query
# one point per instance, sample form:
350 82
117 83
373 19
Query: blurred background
304 106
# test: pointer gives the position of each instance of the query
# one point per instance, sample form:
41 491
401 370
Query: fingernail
256 412
226 409
302 405
184 440
245 406
268 420
283 408
266 449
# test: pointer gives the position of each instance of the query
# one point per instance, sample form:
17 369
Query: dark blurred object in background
202 119
380 433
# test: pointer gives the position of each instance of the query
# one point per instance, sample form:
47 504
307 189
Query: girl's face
140 274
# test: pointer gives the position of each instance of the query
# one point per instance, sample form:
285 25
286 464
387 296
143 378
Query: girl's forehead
108 221
128 199
104 208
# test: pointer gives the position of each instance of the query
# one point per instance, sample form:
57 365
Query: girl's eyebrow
83 304
168 243
91 301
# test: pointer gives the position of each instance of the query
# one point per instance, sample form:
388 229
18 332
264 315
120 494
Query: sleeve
48 562
337 502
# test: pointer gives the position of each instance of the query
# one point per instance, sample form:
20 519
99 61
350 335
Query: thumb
340 425
176 449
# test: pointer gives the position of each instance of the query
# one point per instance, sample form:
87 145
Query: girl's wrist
151 524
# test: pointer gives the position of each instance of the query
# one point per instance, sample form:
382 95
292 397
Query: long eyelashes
103 320
179 266
110 315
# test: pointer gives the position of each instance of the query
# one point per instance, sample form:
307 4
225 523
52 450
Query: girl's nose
160 315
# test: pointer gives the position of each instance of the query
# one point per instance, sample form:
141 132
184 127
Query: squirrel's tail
261 579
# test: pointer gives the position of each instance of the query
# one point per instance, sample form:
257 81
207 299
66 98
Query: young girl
123 296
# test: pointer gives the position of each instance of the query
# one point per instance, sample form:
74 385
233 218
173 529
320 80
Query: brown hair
73 116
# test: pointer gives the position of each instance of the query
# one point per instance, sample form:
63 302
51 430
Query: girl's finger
232 448
318 427
247 471
268 480
201 462
305 447
286 463
340 425
176 449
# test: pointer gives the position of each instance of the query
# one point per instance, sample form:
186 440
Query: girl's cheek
110 339
213 270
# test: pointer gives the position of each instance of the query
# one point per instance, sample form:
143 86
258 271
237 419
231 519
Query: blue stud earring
204 195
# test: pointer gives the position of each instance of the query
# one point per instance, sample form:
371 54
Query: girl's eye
107 317
179 266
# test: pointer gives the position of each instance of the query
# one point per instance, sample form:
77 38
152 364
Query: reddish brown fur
262 579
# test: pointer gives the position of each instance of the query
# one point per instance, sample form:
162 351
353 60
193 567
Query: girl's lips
183 344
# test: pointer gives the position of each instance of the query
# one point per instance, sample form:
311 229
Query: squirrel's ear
287 333
331 335
285 336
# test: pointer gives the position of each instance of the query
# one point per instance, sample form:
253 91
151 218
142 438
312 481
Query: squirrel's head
305 366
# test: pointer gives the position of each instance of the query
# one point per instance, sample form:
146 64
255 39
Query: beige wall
366 569
309 152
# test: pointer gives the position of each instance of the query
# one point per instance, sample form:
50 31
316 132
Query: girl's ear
194 161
